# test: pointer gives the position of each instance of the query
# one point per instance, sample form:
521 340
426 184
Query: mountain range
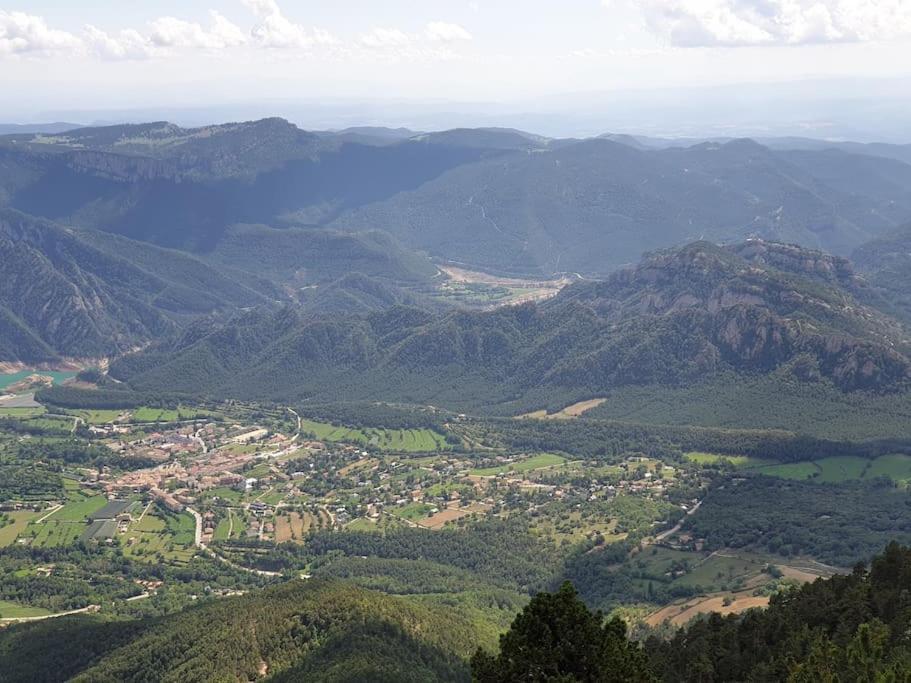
681 316
498 199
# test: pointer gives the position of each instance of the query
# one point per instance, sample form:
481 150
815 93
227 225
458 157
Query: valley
359 399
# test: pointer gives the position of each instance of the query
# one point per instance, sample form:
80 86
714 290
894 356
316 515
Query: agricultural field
18 523
896 467
146 414
21 413
79 509
293 526
415 511
11 610
153 536
831 470
576 525
527 465
98 417
713 458
393 440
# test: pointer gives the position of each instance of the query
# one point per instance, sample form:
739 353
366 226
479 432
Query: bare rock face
761 305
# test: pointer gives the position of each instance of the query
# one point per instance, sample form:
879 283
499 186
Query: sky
61 57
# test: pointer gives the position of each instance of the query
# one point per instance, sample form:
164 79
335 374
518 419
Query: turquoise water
6 380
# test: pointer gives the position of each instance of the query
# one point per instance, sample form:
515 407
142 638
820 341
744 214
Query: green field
223 528
53 534
171 538
182 527
225 493
792 470
837 469
21 413
396 440
78 510
10 610
19 522
414 511
532 463
97 417
146 414
736 460
897 467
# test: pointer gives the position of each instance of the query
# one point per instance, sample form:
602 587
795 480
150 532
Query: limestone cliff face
758 306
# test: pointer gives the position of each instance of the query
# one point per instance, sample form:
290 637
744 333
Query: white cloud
172 32
276 30
444 32
380 38
22 33
696 23
126 44
430 45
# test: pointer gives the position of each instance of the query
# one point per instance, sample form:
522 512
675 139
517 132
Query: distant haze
819 68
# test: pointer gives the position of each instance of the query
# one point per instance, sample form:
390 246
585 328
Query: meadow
11 610
533 463
831 470
394 440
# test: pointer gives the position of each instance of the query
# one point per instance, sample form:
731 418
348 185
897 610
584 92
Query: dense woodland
847 628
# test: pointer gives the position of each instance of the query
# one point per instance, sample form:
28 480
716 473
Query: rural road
202 546
198 533
670 532
294 412
89 608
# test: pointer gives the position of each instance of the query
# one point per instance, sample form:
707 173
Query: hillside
886 262
83 295
679 317
183 188
490 198
597 204
317 631
315 255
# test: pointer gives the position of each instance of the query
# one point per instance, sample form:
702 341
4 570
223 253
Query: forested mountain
680 316
886 262
318 255
183 187
596 204
500 199
314 631
851 627
67 293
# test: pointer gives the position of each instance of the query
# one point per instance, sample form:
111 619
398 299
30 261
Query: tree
557 638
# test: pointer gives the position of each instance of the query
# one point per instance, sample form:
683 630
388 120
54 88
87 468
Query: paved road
198 535
670 532
90 608
294 412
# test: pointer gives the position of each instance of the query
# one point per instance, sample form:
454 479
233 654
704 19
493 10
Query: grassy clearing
146 414
896 467
11 610
78 510
97 417
395 440
793 470
225 493
415 511
153 539
701 458
18 523
533 463
21 413
54 534
839 469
